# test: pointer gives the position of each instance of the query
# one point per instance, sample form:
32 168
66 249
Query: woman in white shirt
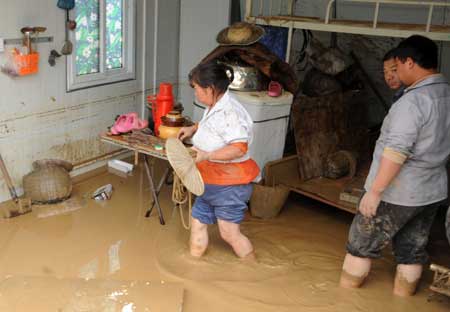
221 140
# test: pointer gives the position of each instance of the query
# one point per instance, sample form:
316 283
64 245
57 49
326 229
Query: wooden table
144 145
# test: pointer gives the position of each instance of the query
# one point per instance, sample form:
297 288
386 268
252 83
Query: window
103 43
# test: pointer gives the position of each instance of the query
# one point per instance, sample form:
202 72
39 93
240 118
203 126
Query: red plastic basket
27 64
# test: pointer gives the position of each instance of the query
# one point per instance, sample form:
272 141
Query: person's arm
390 165
228 152
187 132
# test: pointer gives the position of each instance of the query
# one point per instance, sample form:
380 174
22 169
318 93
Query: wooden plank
325 200
148 147
145 148
328 191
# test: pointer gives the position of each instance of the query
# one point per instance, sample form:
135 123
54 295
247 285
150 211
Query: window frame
106 76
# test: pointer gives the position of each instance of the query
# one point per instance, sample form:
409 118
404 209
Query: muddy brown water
87 251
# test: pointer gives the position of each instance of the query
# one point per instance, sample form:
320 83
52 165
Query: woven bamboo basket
52 162
49 182
441 280
266 201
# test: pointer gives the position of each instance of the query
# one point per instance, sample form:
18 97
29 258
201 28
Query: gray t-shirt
417 125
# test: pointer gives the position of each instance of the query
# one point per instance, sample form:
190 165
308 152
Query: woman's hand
186 132
201 155
369 204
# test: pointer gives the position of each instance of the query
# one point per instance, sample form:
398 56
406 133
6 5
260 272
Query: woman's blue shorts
223 202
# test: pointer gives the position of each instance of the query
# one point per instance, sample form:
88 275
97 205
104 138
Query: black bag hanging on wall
66 4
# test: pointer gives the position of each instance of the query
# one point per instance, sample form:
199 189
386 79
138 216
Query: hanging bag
66 4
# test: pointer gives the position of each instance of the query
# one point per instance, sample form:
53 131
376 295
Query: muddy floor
83 255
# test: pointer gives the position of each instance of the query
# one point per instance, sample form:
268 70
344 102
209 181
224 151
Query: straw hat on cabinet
240 33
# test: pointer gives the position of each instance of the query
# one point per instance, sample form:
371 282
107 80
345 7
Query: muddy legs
354 271
406 279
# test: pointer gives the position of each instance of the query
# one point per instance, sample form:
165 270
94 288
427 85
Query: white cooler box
270 116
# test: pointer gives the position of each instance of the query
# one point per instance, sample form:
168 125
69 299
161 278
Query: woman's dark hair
391 54
216 75
421 50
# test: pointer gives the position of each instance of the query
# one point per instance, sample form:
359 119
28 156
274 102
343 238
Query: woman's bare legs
231 233
199 238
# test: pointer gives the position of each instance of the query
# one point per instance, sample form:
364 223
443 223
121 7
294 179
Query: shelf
285 18
437 32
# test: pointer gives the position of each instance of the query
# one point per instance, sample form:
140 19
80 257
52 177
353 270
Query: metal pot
173 119
246 78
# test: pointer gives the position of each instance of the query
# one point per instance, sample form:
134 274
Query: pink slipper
120 120
124 123
139 124
275 89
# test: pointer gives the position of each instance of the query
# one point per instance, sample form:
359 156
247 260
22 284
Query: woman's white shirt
225 123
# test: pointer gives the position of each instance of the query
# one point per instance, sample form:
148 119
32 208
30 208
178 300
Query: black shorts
407 227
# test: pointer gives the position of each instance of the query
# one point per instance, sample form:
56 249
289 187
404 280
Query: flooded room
224 155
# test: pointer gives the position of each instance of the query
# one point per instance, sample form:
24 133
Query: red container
27 64
161 103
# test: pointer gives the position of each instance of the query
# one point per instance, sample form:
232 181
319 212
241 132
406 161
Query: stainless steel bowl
246 78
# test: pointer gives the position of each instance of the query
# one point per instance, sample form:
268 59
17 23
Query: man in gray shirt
407 181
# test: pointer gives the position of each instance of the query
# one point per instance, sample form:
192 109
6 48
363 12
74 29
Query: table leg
158 189
136 158
153 191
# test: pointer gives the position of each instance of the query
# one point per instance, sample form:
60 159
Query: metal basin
246 78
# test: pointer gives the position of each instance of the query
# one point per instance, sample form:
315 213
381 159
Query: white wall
39 119
200 21
162 44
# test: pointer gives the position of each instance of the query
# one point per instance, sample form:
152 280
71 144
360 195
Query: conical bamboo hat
184 166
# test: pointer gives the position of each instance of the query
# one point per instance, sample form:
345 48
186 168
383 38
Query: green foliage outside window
114 34
87 35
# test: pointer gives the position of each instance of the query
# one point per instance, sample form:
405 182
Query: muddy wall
40 119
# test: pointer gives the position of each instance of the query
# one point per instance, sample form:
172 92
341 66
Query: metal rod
248 8
153 191
160 185
289 42
291 7
430 16
327 17
375 16
33 40
404 2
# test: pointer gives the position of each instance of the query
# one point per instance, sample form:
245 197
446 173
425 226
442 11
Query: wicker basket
441 280
52 162
266 201
49 182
